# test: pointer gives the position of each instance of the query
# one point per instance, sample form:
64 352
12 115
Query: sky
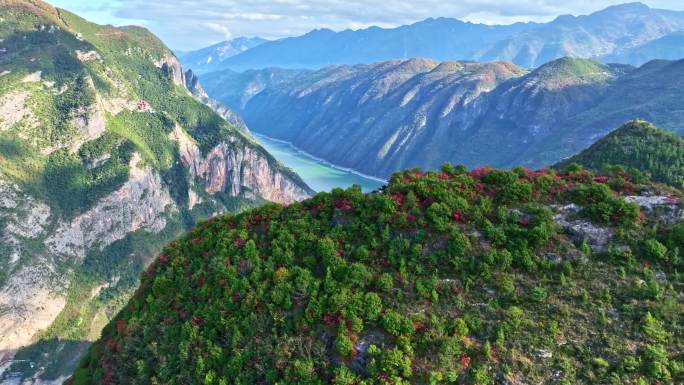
191 24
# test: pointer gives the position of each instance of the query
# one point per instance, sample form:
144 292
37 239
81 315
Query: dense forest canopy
444 277
638 145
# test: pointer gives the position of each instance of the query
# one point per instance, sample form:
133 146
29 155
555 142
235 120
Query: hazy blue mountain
440 39
613 30
211 58
670 47
611 33
235 89
387 116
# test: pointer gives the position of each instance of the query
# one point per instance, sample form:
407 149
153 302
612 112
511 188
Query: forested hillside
638 145
445 277
104 157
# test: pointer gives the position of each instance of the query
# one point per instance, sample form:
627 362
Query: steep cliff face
377 118
36 292
238 171
93 181
388 116
141 203
192 82
173 69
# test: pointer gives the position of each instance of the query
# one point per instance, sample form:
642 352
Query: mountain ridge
608 34
209 59
393 118
104 157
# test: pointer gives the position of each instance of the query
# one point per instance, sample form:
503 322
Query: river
317 173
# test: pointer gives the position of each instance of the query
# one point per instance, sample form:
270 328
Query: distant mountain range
629 33
212 58
388 116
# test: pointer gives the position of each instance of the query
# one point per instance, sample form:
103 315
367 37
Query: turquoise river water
317 173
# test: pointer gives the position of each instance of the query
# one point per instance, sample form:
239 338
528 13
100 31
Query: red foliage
601 179
239 242
235 298
197 321
162 259
525 221
221 282
343 204
332 320
538 173
419 325
399 198
465 361
444 176
459 216
120 326
200 280
480 172
108 374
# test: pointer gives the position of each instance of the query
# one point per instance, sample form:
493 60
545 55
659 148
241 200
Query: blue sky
192 24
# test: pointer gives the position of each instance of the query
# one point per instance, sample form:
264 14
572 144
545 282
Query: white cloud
190 24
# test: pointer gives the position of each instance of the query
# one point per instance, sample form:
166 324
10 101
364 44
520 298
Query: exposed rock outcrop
667 207
238 170
173 69
579 230
13 109
193 85
139 203
29 302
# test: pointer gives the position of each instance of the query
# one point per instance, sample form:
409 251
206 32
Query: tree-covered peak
638 145
445 277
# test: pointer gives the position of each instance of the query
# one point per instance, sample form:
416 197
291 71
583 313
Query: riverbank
318 173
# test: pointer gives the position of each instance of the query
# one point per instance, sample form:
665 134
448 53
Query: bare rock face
13 109
139 203
238 171
28 304
580 230
173 69
33 295
667 207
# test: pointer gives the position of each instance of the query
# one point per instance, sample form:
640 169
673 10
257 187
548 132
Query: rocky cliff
192 82
94 178
400 114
